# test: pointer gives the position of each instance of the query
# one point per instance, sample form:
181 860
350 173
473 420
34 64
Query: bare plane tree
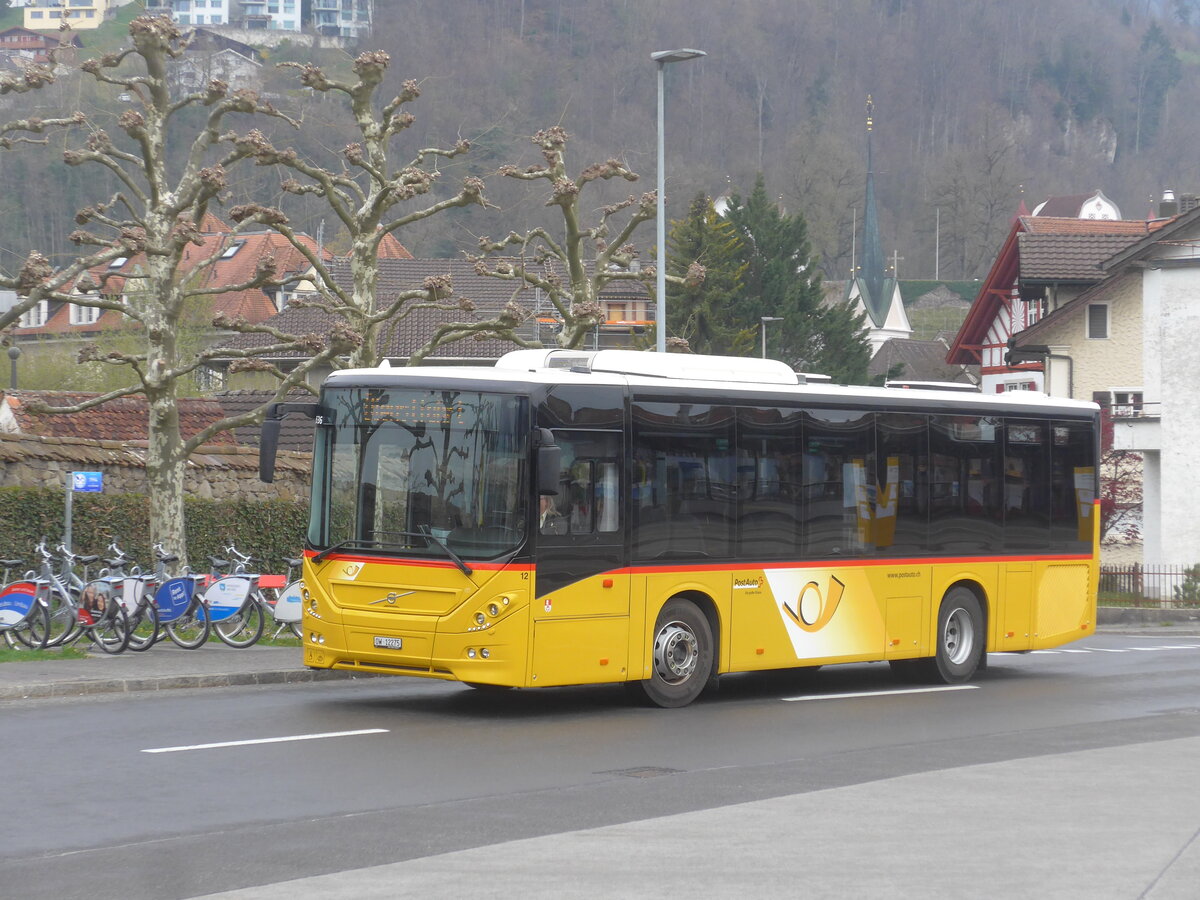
573 269
372 197
156 214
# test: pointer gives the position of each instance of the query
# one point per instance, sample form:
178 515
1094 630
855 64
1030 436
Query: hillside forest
977 104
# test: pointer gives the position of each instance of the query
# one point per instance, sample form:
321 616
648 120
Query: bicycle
181 610
235 601
24 622
280 596
74 612
286 606
135 593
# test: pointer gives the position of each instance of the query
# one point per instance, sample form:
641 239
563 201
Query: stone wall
214 472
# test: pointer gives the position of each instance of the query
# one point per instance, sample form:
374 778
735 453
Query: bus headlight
493 610
480 619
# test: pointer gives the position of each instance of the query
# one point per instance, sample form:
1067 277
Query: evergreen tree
700 310
783 279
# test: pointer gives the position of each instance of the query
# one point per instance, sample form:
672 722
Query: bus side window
589 481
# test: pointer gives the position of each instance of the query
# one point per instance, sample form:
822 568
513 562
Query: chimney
1168 207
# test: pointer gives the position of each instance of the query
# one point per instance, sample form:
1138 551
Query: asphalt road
409 788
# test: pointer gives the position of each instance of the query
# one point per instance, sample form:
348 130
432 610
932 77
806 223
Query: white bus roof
705 375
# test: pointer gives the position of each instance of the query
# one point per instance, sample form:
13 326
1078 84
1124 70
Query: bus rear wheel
960 638
682 655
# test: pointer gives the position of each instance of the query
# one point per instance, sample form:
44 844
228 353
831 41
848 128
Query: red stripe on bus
425 563
850 563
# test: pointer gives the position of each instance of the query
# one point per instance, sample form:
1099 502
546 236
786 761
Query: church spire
873 265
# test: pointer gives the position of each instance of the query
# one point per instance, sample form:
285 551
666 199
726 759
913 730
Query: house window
232 249
1097 321
37 316
83 315
1020 386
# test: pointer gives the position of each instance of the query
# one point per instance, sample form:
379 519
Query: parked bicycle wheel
111 630
64 625
190 630
143 628
243 628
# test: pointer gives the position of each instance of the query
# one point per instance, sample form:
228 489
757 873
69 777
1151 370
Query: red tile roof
254 304
391 248
125 419
1064 225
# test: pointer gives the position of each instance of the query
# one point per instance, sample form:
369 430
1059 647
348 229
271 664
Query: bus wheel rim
676 653
958 637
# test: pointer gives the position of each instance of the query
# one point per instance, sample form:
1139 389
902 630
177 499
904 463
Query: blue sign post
84 482
87 482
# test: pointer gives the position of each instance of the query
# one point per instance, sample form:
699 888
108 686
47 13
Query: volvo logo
391 598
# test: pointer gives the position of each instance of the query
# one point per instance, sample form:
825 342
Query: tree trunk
165 468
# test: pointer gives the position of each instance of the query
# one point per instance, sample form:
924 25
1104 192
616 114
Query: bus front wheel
682 655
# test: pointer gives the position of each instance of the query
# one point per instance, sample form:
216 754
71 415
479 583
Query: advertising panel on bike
173 598
226 596
287 607
16 600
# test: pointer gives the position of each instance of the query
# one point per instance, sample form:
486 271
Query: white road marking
928 690
274 740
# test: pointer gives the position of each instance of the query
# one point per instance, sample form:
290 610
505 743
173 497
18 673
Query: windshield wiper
428 534
424 534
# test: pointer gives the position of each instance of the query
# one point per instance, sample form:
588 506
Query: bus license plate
390 643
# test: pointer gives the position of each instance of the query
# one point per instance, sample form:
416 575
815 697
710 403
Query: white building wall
1179 379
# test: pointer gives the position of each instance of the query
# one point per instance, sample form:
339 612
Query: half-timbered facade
1045 262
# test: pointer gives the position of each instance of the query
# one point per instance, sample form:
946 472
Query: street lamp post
14 353
765 320
662 57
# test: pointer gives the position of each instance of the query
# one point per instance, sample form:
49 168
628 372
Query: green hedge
269 529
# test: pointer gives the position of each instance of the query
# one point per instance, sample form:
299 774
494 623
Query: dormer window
83 315
37 316
232 249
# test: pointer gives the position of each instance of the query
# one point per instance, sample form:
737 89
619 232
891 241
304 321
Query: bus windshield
415 472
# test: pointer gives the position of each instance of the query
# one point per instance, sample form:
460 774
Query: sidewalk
163 667
166 667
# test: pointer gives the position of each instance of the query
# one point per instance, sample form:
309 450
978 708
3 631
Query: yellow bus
570 518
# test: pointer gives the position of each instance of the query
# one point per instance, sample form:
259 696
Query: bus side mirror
549 461
268 444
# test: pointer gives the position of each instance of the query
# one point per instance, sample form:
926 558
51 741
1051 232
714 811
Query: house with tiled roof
1129 343
1044 263
234 259
482 297
20 47
124 419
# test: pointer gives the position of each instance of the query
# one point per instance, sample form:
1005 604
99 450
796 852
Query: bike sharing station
128 608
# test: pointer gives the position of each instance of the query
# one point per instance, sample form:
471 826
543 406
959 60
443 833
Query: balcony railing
1144 409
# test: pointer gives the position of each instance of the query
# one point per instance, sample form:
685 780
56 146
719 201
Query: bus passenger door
580 537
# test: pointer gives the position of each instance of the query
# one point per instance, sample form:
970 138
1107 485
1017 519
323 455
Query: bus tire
960 639
682 655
